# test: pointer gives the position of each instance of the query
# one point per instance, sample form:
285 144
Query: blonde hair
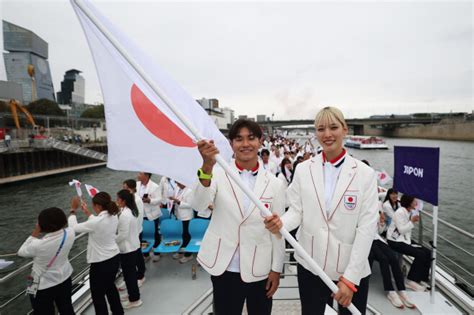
329 114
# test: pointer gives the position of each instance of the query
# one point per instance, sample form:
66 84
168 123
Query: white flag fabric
91 190
143 134
383 177
77 185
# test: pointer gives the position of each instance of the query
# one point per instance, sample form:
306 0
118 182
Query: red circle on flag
350 199
157 122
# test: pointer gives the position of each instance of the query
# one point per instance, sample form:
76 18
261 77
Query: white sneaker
415 286
293 269
121 286
128 305
405 299
146 258
124 298
185 259
177 256
156 258
140 281
394 299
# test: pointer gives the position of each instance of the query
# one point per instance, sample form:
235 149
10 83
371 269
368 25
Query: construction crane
14 108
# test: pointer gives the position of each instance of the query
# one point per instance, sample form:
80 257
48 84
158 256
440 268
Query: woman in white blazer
286 172
184 212
51 272
102 250
128 243
244 259
399 239
390 205
333 199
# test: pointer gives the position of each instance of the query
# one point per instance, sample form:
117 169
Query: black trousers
102 280
387 259
43 303
420 268
230 293
128 262
140 264
157 234
186 236
314 294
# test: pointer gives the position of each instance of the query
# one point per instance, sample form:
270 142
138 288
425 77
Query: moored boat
365 143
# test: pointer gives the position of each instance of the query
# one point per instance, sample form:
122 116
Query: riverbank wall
33 163
445 130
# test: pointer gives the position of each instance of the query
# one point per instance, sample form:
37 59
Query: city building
73 88
261 118
222 117
26 62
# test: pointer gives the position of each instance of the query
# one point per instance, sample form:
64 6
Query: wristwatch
202 175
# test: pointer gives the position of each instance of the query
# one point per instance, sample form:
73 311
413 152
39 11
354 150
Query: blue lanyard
58 251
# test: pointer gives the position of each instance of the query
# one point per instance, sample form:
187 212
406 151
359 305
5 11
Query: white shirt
271 166
101 243
127 232
249 178
43 250
141 211
401 226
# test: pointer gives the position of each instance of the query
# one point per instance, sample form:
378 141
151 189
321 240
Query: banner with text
417 172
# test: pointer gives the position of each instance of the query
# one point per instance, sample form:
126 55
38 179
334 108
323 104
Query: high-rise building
26 62
72 88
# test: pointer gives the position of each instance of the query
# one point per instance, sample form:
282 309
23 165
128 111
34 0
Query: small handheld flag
91 190
76 184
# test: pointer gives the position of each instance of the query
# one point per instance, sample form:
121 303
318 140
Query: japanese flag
77 185
91 190
383 177
143 134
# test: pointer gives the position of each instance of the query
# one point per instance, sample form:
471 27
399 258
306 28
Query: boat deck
170 290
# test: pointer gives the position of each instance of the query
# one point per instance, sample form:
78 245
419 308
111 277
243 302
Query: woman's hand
344 295
75 202
85 209
36 232
415 218
273 223
273 282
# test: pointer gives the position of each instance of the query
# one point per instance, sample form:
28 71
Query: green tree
45 107
94 112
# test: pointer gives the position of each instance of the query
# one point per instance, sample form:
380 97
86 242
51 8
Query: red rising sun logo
157 122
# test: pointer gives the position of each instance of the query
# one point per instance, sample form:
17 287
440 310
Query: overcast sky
285 58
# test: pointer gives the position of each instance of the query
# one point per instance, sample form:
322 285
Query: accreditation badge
350 202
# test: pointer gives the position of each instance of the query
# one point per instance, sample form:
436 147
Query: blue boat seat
197 229
171 236
148 235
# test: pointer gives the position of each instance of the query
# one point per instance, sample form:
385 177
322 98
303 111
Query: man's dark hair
131 183
52 220
148 174
252 126
265 151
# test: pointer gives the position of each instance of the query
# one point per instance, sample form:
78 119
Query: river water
21 203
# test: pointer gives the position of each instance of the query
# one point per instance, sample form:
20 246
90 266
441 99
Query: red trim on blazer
215 260
235 195
253 264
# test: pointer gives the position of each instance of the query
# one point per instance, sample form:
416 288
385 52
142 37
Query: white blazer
401 226
229 228
184 211
42 250
127 232
339 242
152 209
388 210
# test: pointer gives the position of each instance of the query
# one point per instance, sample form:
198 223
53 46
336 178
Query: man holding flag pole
149 107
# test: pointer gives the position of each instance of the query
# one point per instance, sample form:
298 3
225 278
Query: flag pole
433 254
298 248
